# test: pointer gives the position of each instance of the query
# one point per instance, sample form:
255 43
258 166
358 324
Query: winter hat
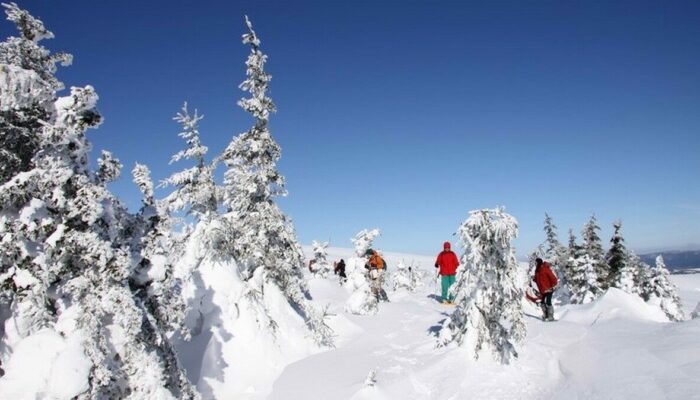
369 252
446 245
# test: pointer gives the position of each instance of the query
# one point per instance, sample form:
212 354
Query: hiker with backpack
546 284
447 263
376 267
339 269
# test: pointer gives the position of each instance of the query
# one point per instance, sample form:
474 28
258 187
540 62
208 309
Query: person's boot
550 313
544 311
384 295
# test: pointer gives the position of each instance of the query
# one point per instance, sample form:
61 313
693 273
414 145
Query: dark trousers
547 298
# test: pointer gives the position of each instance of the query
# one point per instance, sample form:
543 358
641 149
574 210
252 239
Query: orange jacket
375 261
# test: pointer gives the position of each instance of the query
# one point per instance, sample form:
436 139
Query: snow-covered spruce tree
322 267
363 240
406 277
593 246
556 254
583 282
27 91
488 295
621 274
154 280
696 313
662 291
195 190
256 232
641 273
65 259
362 301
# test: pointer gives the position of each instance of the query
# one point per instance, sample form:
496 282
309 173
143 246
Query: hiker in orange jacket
447 262
546 283
376 266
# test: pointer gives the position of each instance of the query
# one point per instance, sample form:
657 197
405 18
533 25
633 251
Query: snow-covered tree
154 278
255 231
583 283
363 240
195 190
362 301
406 277
641 273
108 168
321 265
661 290
65 258
557 256
27 91
488 295
696 313
555 253
621 275
593 246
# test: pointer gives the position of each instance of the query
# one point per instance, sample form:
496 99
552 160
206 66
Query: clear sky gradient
405 115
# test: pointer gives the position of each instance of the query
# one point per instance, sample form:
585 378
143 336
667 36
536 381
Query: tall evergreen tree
258 235
620 275
488 295
195 189
557 256
66 238
573 248
583 282
593 246
27 91
554 251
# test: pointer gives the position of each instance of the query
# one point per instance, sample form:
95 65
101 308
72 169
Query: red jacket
545 278
448 262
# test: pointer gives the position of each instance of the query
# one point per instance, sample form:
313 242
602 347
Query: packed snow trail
616 348
399 344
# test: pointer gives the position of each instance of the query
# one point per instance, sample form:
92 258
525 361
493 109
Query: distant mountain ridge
675 260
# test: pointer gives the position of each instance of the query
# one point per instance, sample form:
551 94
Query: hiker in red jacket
546 283
447 262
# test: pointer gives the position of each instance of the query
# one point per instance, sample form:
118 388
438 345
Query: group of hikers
544 278
447 263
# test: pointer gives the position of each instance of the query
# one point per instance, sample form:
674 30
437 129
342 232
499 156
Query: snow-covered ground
615 348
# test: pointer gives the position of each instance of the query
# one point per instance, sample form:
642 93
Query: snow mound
614 304
45 365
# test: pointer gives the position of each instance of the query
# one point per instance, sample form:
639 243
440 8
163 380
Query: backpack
377 261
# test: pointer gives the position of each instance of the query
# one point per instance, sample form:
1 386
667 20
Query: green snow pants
447 281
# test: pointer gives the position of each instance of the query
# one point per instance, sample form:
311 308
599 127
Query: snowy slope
615 348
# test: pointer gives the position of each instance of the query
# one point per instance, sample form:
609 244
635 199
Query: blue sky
405 115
